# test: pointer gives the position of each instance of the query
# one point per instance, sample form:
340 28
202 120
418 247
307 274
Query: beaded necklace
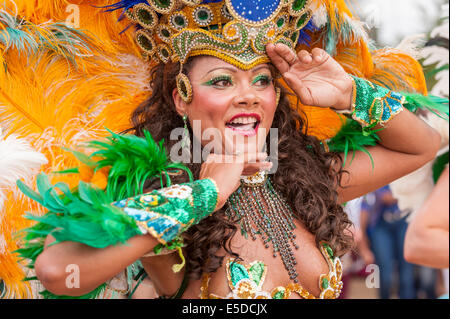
262 211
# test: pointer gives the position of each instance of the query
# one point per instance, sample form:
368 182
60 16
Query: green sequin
279 295
168 212
238 272
257 271
374 104
325 283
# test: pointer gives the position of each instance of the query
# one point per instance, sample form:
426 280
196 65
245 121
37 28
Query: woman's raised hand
226 171
316 78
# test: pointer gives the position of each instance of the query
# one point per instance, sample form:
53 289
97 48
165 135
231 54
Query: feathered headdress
61 86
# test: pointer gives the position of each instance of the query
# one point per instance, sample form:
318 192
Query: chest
258 274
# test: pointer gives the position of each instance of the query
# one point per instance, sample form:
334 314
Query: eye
220 81
262 80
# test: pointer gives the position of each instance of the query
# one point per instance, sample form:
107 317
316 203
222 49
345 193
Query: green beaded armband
372 104
168 212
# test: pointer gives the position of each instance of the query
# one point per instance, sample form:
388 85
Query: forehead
205 64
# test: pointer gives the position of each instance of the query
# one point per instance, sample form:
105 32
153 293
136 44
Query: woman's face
235 108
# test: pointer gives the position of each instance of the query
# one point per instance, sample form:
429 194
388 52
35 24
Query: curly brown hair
306 175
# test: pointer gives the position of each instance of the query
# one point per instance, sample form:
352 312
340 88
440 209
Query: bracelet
168 212
373 104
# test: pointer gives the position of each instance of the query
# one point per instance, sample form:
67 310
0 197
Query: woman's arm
164 214
406 142
427 238
58 266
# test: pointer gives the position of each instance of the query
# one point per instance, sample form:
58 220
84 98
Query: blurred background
393 20
377 270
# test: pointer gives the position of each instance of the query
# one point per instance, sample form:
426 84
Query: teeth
246 127
244 120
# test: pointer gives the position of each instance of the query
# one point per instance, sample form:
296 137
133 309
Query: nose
247 97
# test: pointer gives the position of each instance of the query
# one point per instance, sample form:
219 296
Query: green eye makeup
217 79
227 79
262 77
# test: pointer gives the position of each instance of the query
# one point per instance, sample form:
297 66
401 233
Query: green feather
85 214
132 160
352 137
31 39
434 104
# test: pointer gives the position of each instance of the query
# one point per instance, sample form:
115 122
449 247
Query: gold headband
235 31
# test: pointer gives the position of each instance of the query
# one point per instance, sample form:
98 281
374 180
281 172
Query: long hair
306 176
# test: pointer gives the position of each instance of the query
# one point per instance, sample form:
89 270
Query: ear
180 105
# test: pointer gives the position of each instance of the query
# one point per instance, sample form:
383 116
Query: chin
247 141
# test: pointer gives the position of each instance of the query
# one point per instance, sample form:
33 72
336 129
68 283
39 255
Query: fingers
305 57
284 58
277 60
281 56
239 158
254 157
312 59
253 168
303 92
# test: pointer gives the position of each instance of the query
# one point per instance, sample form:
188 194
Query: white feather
359 28
442 30
442 84
18 160
320 17
412 190
413 45
435 54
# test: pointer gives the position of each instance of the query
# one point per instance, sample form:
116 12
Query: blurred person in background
414 189
351 261
384 226
427 238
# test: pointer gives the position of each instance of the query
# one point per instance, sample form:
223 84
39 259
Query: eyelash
266 78
215 81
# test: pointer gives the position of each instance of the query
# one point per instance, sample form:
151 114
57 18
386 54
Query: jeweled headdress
235 31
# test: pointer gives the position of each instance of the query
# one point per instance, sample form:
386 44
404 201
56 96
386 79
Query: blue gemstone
396 95
162 224
254 10
386 111
139 214
394 104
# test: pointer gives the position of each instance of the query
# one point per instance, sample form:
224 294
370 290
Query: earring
184 88
186 141
278 92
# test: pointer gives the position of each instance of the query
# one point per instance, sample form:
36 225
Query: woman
316 79
295 215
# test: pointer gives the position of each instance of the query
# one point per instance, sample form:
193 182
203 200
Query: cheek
208 107
269 108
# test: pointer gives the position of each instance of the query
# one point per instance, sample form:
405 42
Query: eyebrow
254 70
259 68
222 68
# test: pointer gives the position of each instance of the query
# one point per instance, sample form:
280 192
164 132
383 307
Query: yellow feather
402 71
65 106
11 270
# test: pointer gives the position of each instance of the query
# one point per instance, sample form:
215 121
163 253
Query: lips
244 123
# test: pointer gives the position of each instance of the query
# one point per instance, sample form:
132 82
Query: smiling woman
230 100
224 95
242 226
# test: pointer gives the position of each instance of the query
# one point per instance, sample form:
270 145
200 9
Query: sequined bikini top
246 281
